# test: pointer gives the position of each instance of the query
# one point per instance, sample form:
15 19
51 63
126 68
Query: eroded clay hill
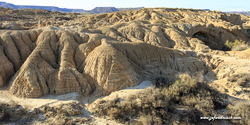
108 52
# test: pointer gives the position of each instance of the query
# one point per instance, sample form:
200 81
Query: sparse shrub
148 102
242 79
237 45
183 85
12 112
115 113
63 114
136 122
70 109
188 92
13 104
131 97
163 81
150 120
2 112
241 47
158 105
241 109
73 15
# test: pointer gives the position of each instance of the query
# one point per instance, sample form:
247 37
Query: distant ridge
136 8
53 8
103 10
246 13
111 9
50 8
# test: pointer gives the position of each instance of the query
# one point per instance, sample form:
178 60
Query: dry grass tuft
241 109
241 47
67 113
242 79
13 112
150 120
148 102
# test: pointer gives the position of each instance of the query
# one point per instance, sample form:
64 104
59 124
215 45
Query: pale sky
221 5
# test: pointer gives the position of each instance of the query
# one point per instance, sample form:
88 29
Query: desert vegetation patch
182 100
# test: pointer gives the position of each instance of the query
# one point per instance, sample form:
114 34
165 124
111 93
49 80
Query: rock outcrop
63 62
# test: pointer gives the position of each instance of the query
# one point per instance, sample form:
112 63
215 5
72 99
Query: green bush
237 45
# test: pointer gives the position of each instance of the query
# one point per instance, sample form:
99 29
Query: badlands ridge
98 54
